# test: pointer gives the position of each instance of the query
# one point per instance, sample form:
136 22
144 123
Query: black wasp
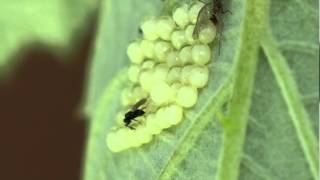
210 12
133 113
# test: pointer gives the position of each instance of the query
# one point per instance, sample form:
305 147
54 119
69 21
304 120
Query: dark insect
210 12
133 113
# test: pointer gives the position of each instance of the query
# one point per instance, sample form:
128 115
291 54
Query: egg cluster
168 67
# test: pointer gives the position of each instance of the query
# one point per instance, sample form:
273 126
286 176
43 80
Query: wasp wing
138 104
203 18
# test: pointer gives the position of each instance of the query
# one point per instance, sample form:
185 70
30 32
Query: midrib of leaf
290 92
235 123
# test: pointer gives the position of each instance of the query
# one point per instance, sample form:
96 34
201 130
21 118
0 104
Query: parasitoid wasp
211 12
134 113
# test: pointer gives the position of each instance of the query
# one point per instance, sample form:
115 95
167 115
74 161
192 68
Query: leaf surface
256 119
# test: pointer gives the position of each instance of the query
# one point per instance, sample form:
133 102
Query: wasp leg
132 128
226 11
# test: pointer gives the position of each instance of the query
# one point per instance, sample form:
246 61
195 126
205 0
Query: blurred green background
44 49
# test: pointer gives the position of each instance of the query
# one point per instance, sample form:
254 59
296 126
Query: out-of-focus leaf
267 74
53 23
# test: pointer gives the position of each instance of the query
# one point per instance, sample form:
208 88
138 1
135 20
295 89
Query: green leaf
256 119
53 23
